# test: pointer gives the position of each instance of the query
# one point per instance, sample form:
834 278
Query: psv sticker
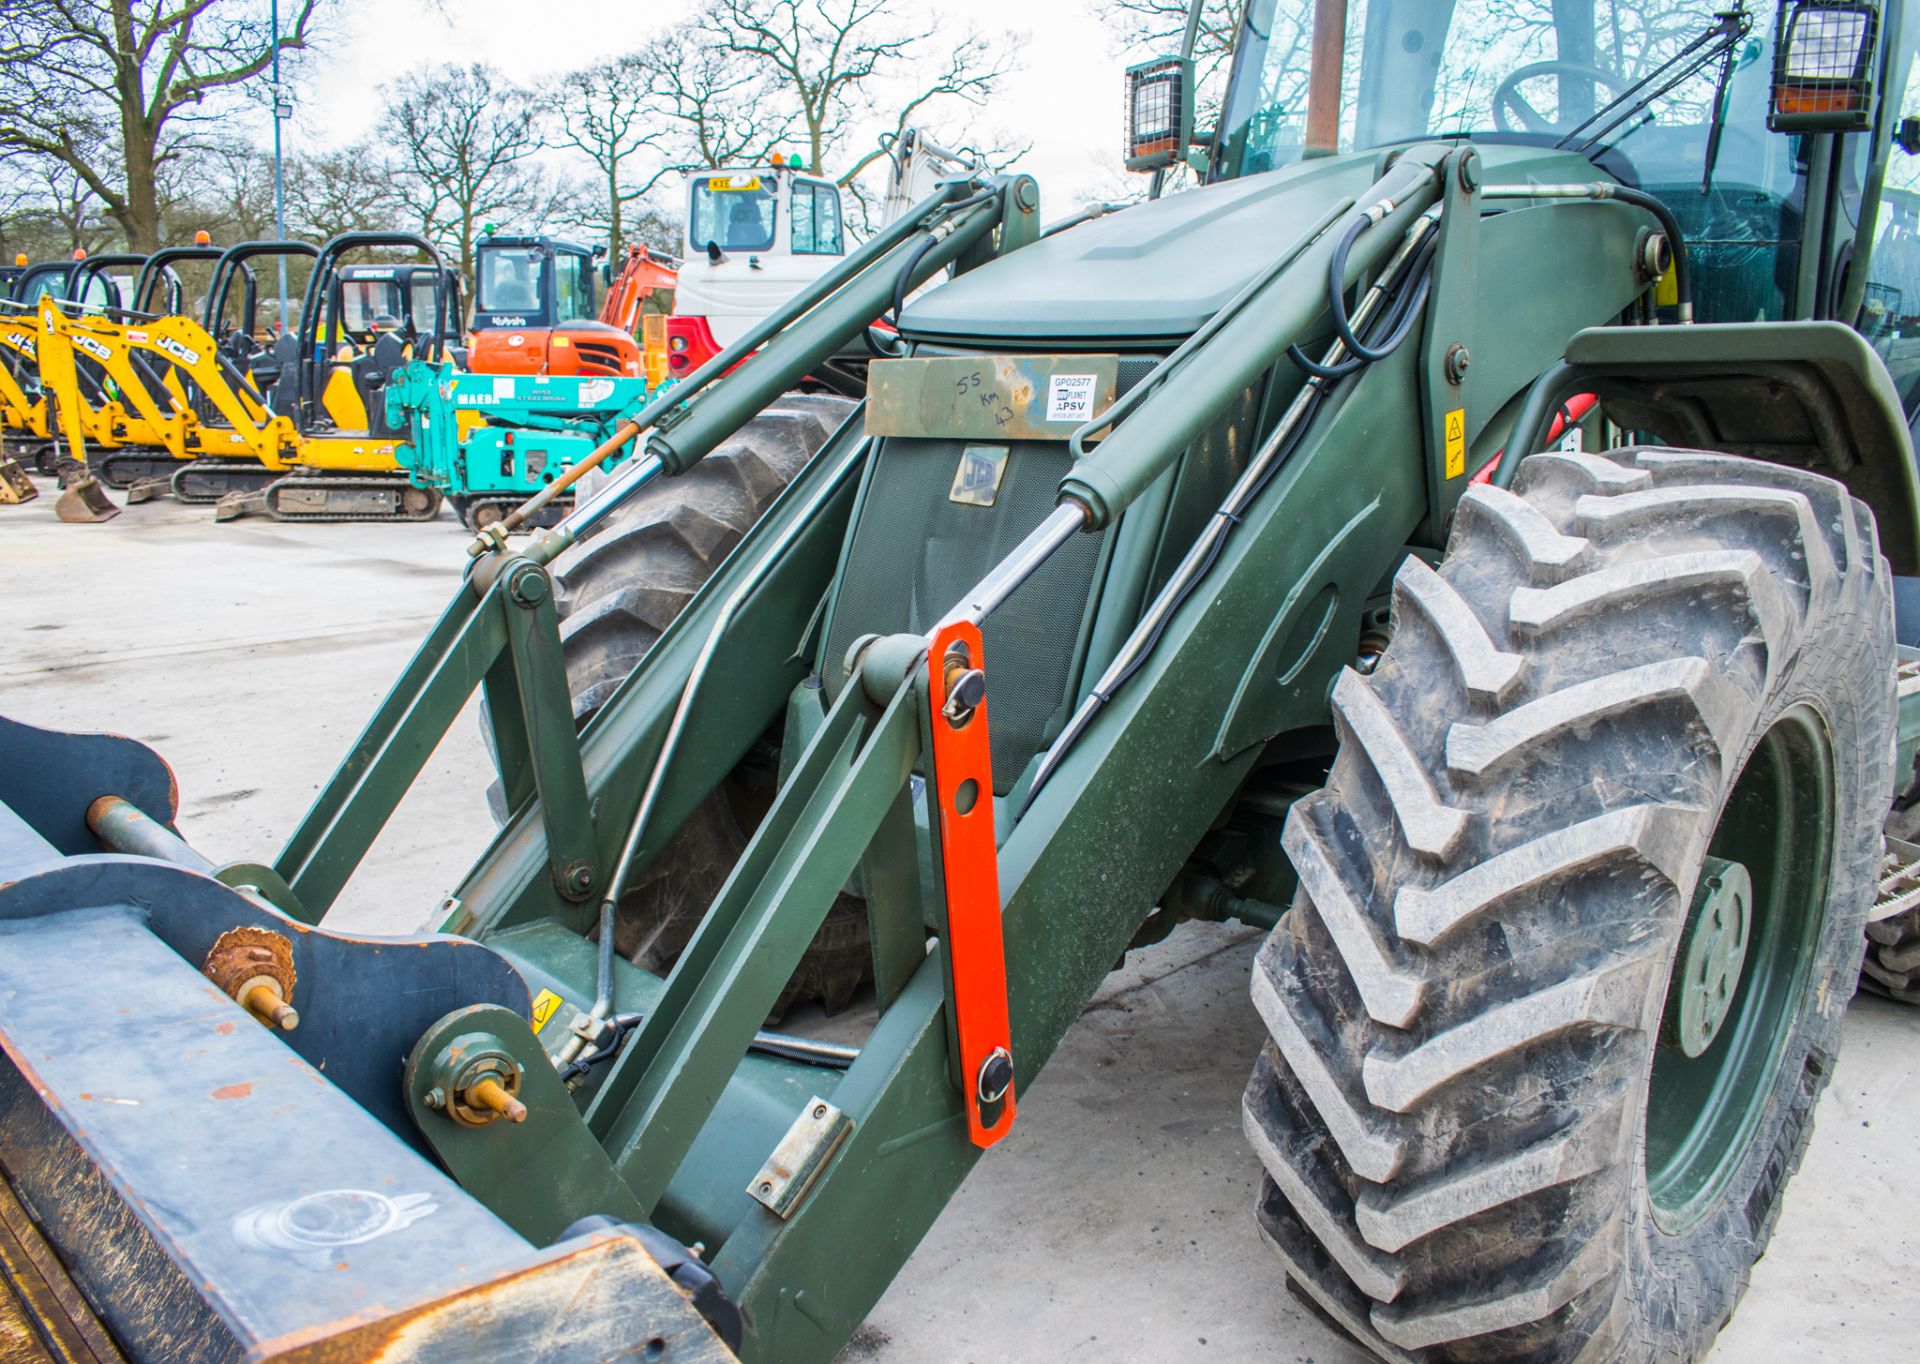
1070 397
977 481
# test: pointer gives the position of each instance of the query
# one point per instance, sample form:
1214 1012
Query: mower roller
1210 559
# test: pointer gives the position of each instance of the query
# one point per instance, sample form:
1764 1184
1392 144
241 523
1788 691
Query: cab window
421 292
509 280
1890 309
733 212
364 300
816 220
575 287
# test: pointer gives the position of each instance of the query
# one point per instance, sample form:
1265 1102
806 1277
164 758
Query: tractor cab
534 311
538 282
756 235
31 283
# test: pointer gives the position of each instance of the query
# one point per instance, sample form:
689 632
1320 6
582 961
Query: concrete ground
1114 1223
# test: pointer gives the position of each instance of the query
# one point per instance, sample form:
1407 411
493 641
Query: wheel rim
1776 831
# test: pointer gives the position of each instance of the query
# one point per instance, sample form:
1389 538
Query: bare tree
48 213
840 63
1154 28
604 111
711 106
677 105
109 89
350 190
227 189
465 138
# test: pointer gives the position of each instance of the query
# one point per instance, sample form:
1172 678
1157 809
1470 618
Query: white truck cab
756 235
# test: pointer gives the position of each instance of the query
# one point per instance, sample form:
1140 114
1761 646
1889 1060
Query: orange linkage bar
963 806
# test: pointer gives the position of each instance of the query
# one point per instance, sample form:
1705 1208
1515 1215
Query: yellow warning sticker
1456 442
545 1005
1667 292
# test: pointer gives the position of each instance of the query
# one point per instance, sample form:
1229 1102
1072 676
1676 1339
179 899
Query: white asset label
1070 397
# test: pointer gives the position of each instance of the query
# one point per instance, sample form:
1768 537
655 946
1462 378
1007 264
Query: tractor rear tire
617 593
1484 1134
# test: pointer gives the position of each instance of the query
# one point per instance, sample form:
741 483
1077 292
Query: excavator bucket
84 501
146 489
15 486
236 505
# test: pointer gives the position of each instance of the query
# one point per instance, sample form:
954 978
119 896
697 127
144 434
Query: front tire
1485 1134
618 592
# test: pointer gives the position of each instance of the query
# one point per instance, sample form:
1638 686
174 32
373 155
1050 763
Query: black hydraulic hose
1397 325
1682 270
902 282
1391 329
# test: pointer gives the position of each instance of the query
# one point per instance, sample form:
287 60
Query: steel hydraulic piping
1184 351
649 797
1252 479
1602 191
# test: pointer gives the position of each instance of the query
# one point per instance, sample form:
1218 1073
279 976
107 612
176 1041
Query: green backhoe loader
1470 531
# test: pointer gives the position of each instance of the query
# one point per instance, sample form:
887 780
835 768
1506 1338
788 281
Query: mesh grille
914 552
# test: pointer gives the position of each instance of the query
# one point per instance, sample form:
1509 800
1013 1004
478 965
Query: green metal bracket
367 787
540 1175
546 714
500 630
665 1084
1455 405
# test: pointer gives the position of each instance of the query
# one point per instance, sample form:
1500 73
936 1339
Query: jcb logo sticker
177 351
92 347
1456 442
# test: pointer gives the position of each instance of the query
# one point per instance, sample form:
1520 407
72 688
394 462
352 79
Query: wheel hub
1711 956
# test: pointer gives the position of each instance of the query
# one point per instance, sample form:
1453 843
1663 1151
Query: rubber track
338 484
1462 1001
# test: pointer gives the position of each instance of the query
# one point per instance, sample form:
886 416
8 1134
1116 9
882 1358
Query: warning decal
545 1004
1456 442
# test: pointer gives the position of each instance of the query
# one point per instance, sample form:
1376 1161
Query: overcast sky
1065 98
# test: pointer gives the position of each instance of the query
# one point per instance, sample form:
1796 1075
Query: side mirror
1906 136
1159 112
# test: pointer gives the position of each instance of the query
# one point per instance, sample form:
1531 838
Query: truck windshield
1546 73
510 279
734 212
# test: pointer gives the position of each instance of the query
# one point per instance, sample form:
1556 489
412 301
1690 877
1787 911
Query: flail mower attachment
227 1169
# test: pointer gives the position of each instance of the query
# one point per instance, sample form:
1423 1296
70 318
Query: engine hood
1161 269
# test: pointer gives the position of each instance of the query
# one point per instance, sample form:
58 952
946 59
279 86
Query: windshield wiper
1719 40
